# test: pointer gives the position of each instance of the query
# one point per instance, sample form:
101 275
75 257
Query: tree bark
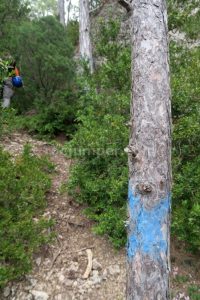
61 11
149 155
84 33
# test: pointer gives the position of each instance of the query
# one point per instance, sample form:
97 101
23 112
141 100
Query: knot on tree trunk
131 150
144 188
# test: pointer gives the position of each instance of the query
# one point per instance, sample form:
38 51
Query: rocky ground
79 265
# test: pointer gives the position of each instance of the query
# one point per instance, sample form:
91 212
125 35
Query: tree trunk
149 155
61 11
84 33
67 10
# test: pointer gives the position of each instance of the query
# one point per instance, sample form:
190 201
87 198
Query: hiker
13 80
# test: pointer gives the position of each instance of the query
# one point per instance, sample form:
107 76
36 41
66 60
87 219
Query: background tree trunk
84 33
61 11
149 155
67 11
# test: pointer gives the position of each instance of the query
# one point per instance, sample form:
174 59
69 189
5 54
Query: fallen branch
53 262
76 224
89 265
96 10
55 258
86 248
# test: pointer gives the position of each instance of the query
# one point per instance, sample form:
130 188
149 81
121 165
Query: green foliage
182 16
194 292
100 176
47 63
47 66
3 71
186 148
191 27
72 31
42 8
23 184
12 13
7 121
44 51
181 279
58 116
101 173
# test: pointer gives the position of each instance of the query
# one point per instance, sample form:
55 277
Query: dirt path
59 268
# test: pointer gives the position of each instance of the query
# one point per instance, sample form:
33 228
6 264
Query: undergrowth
100 176
24 182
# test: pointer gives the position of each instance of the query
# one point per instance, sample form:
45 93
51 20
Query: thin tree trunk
61 11
149 155
84 33
67 10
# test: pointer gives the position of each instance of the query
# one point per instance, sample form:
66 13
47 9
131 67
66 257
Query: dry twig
89 265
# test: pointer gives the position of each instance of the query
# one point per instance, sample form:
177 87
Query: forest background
92 113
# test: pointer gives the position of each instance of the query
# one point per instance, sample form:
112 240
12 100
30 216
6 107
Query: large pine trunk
149 155
84 33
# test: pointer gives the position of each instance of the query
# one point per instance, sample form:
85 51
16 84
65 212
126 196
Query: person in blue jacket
13 80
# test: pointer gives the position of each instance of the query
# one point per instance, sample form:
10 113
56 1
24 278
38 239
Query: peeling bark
84 33
149 155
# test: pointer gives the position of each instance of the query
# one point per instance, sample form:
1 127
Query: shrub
181 17
194 292
100 176
186 148
101 172
7 121
49 69
50 120
12 13
46 49
23 184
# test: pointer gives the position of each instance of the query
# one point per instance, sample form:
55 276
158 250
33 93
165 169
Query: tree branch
97 9
125 4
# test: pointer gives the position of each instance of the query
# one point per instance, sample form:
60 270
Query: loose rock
105 274
114 270
95 277
96 265
61 278
69 282
38 261
6 292
13 290
39 295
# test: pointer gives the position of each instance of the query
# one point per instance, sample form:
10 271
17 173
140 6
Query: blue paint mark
145 233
